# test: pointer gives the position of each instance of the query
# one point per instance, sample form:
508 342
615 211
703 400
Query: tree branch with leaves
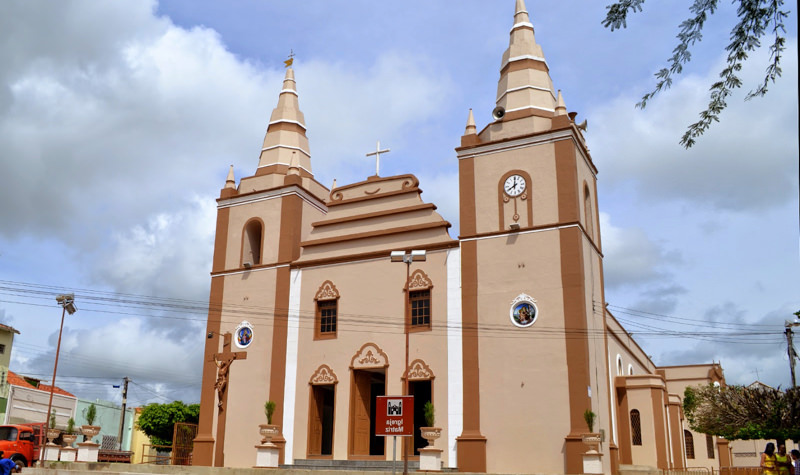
743 412
757 19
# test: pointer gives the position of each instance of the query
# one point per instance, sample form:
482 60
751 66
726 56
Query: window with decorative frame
326 321
636 427
689 441
419 301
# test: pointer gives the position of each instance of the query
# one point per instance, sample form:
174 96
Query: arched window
251 245
619 366
630 369
587 211
689 441
710 446
636 427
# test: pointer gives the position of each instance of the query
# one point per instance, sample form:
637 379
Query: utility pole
125 402
790 348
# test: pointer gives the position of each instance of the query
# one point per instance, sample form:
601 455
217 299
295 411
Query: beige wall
249 296
371 313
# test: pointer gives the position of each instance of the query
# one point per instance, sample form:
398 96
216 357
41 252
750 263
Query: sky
119 121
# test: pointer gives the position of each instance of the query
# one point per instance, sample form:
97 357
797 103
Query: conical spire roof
230 182
471 129
286 132
525 87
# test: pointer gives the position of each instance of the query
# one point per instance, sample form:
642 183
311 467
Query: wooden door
360 424
315 422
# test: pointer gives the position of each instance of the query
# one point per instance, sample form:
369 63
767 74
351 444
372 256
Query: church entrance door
366 387
422 392
320 416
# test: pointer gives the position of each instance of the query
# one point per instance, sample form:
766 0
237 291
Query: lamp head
67 301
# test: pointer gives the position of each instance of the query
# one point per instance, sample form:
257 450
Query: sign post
394 415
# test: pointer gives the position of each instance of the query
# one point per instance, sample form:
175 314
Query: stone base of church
471 453
87 451
203 455
430 459
68 454
267 455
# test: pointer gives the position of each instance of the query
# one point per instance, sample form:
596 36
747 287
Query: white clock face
514 185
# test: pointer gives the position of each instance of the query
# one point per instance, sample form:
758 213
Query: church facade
504 328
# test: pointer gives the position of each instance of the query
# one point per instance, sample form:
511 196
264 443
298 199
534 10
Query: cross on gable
377 154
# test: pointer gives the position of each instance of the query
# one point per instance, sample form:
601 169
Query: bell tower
258 236
530 243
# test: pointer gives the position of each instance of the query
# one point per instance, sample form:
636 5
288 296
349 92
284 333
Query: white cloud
631 257
742 163
168 257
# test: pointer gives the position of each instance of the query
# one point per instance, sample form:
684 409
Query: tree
757 18
744 412
157 421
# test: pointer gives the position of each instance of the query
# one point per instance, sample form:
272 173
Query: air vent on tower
498 112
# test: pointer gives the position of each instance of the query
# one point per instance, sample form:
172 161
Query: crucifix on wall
377 153
223 362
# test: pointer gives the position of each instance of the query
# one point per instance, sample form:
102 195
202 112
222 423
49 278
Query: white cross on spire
377 154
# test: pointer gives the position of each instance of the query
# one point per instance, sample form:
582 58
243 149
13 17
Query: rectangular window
2 349
420 301
326 318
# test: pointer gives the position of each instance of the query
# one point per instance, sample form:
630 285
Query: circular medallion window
523 312
244 334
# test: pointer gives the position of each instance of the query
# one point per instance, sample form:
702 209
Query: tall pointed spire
230 182
525 88
471 128
286 132
561 107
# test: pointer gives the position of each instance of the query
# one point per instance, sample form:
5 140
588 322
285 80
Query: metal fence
688 471
179 453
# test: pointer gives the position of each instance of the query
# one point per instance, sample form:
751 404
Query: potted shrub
52 432
592 439
430 433
70 436
268 430
90 430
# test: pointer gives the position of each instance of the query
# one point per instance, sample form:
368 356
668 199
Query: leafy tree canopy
744 412
158 420
757 19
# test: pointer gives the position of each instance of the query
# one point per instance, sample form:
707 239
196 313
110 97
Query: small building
28 400
6 344
108 418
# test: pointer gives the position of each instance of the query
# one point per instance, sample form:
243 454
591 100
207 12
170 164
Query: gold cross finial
289 61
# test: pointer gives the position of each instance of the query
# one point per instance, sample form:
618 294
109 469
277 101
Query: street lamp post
67 302
407 258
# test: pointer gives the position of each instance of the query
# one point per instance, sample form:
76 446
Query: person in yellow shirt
769 464
783 461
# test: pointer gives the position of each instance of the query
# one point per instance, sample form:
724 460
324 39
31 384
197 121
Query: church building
504 328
